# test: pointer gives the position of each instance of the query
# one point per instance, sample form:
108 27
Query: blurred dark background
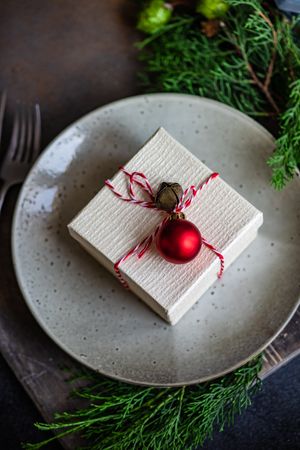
72 56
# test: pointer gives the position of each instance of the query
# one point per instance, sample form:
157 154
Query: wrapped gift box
108 227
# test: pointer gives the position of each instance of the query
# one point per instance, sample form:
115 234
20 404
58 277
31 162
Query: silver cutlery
2 109
23 148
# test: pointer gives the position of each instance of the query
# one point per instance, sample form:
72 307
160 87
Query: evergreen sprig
126 417
286 158
251 64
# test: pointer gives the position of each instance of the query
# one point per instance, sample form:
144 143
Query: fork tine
29 136
37 132
19 154
14 137
2 109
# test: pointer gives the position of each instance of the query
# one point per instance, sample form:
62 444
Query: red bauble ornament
179 241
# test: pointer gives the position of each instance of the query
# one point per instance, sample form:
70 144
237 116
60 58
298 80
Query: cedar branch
262 87
275 42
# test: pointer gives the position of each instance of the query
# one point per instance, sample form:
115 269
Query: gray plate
86 311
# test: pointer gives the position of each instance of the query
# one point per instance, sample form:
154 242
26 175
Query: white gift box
109 227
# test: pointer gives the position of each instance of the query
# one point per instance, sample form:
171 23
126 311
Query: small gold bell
168 196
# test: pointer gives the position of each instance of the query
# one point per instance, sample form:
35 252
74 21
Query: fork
23 148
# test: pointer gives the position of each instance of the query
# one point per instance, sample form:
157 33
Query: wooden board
71 57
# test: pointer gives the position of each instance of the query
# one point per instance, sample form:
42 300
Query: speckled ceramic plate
86 311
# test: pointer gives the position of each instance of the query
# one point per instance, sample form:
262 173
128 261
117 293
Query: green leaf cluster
154 16
212 9
250 64
122 416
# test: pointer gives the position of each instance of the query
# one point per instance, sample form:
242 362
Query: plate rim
61 345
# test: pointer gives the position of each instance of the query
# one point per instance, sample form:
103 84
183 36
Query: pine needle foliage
121 416
251 64
286 159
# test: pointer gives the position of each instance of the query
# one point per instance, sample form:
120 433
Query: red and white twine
188 196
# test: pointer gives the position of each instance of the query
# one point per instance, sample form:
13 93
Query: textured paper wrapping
108 227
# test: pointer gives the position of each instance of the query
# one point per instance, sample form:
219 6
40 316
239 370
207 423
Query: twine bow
185 201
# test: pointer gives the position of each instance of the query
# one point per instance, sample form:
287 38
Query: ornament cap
177 215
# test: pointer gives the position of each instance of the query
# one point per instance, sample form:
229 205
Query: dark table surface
70 57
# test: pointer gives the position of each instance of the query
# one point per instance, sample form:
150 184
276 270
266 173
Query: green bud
154 16
212 9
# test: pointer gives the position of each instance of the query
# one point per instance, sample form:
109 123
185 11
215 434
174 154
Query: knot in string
189 194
